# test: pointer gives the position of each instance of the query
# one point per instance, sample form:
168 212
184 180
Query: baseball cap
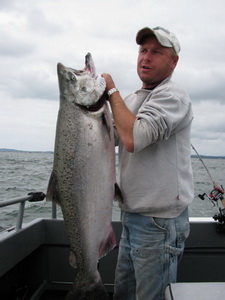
164 37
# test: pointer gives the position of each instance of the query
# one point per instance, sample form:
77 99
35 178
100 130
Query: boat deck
34 260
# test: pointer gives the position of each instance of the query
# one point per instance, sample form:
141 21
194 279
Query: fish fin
107 244
118 194
72 259
52 191
106 124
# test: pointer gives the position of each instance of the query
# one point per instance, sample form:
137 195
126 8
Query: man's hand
109 81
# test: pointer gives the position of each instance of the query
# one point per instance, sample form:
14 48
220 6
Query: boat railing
31 197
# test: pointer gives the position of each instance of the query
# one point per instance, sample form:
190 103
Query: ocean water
25 172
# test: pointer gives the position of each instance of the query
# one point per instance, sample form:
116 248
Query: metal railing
31 197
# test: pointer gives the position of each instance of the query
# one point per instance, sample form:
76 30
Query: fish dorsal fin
72 260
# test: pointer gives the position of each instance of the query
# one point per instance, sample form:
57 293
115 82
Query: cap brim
143 33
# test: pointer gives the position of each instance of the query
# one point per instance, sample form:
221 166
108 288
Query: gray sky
36 35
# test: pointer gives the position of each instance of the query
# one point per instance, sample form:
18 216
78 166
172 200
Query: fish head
83 87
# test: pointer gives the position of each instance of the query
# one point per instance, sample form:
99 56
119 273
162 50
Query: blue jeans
149 251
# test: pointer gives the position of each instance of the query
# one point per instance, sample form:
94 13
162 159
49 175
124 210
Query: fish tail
98 293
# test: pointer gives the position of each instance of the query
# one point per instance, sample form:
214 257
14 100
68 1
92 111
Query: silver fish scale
83 181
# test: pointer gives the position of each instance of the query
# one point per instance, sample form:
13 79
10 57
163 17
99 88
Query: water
24 172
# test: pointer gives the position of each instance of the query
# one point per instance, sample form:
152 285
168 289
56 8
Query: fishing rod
199 157
216 194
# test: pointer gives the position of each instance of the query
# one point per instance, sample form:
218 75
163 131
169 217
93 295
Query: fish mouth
87 88
96 106
89 65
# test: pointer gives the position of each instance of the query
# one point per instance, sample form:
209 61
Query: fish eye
72 76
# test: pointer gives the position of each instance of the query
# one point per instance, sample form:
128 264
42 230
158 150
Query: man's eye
156 51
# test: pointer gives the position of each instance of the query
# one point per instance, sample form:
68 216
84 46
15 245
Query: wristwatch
111 91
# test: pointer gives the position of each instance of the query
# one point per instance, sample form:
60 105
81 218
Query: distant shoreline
27 151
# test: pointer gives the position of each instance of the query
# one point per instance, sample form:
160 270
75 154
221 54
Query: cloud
28 124
14 47
203 84
41 23
36 35
33 83
208 130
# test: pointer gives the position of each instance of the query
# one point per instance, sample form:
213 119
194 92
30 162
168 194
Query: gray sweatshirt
156 179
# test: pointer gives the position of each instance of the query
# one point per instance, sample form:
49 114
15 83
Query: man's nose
148 55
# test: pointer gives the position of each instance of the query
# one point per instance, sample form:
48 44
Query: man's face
155 62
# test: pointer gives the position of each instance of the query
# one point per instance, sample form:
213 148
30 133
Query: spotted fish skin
83 175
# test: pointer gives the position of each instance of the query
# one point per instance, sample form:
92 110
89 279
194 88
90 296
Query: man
153 125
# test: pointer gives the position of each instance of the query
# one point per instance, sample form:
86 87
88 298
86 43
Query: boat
34 259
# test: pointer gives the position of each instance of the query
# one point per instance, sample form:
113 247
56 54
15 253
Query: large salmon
83 176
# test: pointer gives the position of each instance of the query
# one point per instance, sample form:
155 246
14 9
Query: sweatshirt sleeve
165 112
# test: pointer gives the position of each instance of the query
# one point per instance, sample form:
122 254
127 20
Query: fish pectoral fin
118 194
72 259
52 191
108 243
107 125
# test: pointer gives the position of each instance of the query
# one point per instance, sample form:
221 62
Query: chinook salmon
83 176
